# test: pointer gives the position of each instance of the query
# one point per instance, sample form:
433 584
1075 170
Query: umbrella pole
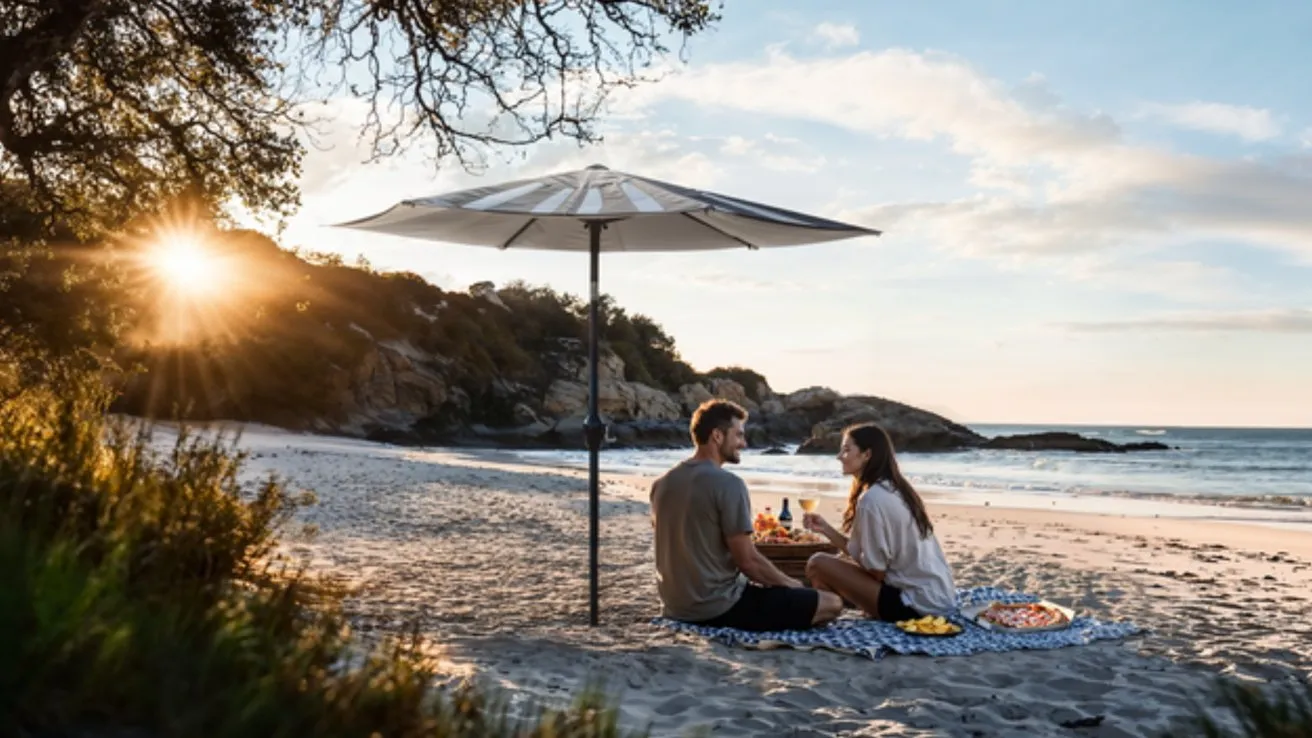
594 430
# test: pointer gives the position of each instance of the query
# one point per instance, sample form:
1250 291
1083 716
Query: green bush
1266 711
145 592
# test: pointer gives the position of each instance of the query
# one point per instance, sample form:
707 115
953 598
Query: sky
1095 213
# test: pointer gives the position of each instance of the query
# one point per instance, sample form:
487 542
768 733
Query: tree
110 108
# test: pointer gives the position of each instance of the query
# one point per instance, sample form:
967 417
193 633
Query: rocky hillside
304 341
396 392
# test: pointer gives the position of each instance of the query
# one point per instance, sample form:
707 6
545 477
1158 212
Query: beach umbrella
594 210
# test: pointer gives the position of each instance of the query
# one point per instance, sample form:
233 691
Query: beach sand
488 557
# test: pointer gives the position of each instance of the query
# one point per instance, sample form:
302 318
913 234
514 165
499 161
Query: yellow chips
929 625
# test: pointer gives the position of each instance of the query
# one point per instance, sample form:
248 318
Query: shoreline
1239 510
1285 508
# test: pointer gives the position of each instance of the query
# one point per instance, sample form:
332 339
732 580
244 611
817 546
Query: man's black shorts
770 609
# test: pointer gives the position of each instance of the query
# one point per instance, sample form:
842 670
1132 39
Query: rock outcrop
617 399
400 393
911 429
394 385
1058 441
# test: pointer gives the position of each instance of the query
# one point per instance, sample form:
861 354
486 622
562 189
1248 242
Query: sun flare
187 267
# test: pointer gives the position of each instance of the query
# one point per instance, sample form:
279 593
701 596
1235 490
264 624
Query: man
704 552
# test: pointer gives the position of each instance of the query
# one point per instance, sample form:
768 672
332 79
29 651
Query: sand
487 556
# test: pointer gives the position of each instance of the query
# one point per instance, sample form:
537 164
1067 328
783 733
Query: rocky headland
398 394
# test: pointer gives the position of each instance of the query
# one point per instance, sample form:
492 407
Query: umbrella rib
726 234
517 234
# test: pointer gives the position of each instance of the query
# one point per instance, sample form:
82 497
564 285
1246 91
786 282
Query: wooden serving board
790 558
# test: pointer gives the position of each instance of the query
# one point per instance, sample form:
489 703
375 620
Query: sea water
1223 464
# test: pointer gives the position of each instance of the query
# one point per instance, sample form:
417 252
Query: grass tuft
143 592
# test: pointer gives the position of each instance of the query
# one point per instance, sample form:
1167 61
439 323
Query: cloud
836 35
1307 138
1050 187
1131 272
894 92
338 184
1050 180
770 155
737 146
1291 320
1250 124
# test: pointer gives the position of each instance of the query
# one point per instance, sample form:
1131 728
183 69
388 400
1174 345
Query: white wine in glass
807 504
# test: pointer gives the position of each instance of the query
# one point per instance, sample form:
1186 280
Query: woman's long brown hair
881 467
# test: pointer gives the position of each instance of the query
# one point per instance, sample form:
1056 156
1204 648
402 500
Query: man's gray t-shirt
694 506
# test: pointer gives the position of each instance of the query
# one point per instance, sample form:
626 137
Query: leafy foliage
544 316
58 296
110 110
144 593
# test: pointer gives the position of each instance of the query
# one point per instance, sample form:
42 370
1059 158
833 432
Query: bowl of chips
933 626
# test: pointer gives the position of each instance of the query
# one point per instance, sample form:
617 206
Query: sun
186 267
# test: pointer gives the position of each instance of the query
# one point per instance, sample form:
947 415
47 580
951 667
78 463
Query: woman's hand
813 521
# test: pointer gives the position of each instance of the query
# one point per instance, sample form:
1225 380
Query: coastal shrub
1281 710
144 592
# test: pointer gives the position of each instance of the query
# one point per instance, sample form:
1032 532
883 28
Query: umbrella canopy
595 210
642 214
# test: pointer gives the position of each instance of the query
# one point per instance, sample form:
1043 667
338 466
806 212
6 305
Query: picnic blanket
874 639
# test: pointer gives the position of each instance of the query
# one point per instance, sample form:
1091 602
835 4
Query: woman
896 570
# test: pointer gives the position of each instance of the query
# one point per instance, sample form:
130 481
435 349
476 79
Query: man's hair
714 415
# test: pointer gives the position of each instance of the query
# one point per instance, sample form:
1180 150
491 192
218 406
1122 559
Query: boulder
691 396
727 389
653 404
610 367
810 398
1061 441
565 398
616 401
391 387
911 429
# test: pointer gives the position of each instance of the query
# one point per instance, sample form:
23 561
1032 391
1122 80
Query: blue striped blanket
874 639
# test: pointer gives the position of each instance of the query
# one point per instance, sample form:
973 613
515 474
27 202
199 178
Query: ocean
1236 465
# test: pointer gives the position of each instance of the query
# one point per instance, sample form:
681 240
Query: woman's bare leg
830 573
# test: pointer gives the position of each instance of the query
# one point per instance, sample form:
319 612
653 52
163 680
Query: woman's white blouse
885 538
